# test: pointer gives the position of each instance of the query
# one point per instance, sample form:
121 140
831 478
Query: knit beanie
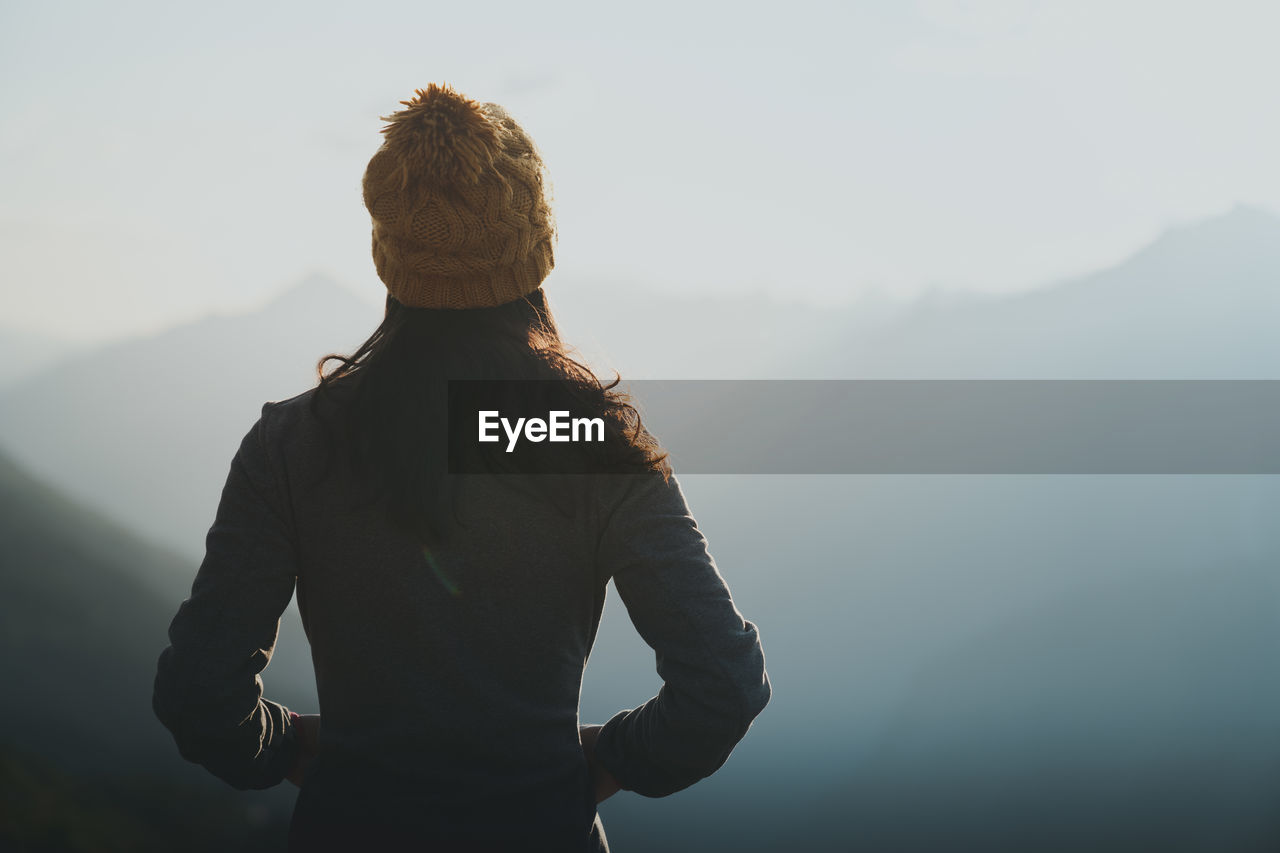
460 213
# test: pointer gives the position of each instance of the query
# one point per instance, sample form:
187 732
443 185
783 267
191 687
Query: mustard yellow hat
458 197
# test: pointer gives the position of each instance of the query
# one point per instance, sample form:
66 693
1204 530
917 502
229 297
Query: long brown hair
390 398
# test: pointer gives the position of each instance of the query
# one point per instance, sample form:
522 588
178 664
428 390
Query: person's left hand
605 783
308 726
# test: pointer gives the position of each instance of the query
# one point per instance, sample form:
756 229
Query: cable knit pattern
459 200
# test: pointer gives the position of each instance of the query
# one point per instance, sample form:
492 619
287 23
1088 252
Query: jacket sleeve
710 658
207 689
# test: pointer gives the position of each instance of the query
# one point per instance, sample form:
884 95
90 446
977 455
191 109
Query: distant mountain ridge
1199 302
144 429
165 413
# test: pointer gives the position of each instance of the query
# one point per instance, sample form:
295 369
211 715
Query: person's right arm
709 657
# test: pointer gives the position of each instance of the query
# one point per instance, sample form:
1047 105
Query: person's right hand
308 726
606 785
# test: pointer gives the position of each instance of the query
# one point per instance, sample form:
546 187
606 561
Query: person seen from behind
450 615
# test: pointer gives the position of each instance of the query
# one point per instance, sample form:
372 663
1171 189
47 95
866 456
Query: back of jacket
449 676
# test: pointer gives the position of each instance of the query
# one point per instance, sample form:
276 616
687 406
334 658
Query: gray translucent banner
964 426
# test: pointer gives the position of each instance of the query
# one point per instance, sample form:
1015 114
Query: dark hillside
84 765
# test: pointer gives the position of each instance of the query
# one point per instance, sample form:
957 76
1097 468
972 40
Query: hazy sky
160 160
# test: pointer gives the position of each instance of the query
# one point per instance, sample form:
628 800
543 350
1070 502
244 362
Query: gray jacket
449 680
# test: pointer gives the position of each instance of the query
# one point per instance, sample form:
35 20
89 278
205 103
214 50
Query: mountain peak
1241 212
1241 221
1214 243
315 289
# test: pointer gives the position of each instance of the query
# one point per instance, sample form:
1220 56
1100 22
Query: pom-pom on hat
460 212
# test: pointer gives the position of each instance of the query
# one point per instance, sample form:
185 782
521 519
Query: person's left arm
208 692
